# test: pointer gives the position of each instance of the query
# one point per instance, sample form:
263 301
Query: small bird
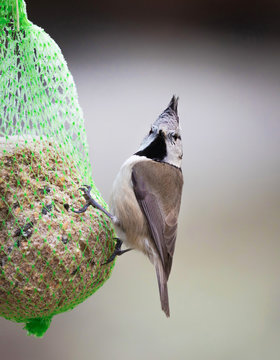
146 197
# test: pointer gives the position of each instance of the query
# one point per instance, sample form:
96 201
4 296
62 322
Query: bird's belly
132 225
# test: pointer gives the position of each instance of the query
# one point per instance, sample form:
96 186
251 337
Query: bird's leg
117 251
90 201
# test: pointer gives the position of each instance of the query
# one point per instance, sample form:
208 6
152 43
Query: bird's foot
117 251
90 201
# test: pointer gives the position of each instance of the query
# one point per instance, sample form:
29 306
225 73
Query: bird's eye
175 137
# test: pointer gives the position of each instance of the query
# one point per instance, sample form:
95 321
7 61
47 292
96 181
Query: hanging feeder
51 259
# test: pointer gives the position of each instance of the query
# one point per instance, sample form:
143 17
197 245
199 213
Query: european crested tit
146 197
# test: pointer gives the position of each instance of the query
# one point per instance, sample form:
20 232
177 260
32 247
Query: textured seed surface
50 257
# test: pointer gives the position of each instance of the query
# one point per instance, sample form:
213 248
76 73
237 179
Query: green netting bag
51 259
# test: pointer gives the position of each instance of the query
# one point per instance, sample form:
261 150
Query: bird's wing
158 188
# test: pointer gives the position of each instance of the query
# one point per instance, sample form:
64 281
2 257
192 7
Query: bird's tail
162 285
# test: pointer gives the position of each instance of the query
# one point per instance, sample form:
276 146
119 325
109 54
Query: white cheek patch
174 154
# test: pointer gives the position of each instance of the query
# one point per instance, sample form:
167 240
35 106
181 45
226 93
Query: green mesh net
51 259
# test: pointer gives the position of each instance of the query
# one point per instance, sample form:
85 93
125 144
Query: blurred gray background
222 59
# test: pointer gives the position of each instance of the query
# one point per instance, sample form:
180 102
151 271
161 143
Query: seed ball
51 259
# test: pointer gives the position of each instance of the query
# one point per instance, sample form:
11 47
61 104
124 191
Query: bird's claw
86 189
83 209
90 201
117 251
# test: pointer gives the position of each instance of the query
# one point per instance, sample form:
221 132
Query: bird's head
163 142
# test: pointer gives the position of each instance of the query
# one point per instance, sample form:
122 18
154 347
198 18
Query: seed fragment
26 231
45 190
66 206
74 272
64 239
46 209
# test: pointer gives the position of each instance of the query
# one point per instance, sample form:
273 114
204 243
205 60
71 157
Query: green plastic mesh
50 258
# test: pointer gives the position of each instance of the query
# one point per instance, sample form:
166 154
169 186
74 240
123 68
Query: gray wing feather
158 188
